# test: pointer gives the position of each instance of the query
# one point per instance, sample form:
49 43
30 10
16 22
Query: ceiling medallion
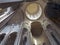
33 11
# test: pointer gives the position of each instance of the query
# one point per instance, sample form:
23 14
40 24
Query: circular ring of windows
33 11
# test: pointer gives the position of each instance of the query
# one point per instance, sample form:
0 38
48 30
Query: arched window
36 29
24 40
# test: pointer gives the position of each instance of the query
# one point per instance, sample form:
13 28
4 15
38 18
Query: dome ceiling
33 11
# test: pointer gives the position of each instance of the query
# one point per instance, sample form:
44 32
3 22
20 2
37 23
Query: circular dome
33 11
32 8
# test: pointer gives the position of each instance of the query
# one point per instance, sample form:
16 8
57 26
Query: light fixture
33 11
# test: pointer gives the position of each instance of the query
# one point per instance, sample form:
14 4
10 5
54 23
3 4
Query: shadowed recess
36 29
2 37
11 39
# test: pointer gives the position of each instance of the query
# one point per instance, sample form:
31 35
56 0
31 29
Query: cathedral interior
29 22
